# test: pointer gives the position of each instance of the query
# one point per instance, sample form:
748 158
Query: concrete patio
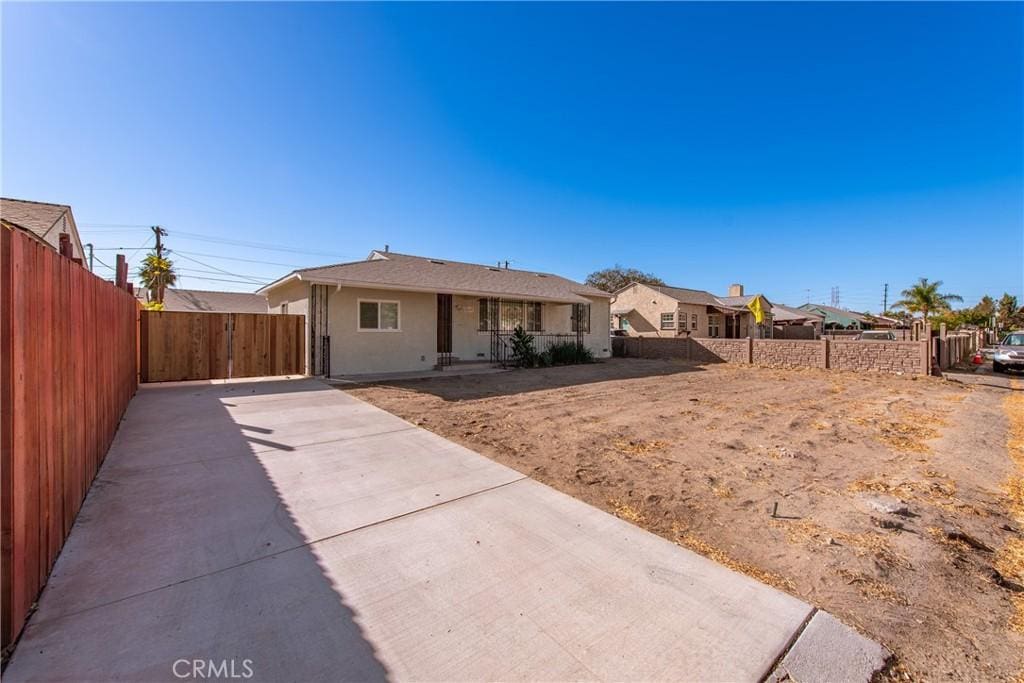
287 529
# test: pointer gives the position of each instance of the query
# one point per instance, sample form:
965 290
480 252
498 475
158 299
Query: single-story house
840 319
395 312
214 302
787 317
662 311
45 222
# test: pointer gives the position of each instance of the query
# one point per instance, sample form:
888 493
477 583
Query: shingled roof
688 296
36 217
214 302
388 270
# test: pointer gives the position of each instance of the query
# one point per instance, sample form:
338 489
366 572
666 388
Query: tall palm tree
924 297
157 273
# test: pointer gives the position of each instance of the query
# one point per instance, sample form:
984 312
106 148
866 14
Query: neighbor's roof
214 302
688 296
36 217
789 314
388 270
838 315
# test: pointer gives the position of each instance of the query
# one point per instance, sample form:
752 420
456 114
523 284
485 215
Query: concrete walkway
288 530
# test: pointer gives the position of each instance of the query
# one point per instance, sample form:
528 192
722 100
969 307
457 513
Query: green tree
1008 314
615 278
925 298
157 273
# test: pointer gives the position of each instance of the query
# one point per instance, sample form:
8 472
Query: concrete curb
829 650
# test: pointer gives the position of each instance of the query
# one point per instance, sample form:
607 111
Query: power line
215 268
254 245
236 258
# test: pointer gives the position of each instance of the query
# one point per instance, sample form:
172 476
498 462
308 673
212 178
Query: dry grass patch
702 547
639 446
871 587
626 511
1010 560
876 545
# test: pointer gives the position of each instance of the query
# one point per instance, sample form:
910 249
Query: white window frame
359 317
715 323
693 320
671 321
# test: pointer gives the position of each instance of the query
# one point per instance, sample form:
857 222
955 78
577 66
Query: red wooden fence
67 371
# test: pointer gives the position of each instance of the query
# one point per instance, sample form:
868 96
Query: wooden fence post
120 272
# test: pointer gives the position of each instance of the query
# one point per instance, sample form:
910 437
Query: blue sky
791 147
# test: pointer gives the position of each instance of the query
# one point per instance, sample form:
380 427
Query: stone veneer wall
911 357
880 356
789 353
710 350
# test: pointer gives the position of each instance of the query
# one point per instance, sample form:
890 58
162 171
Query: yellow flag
757 309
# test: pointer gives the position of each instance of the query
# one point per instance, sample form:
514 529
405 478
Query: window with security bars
501 315
581 318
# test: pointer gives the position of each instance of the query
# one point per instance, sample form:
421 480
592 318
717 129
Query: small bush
523 353
566 353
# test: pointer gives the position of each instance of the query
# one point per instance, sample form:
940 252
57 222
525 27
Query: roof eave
363 284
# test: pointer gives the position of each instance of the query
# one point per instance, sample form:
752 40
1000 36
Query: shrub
566 353
523 353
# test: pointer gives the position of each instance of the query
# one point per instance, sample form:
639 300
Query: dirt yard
893 497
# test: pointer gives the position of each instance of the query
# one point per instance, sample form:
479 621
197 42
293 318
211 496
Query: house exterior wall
64 224
649 304
468 343
354 351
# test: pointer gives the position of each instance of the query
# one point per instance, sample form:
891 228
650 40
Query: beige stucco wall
414 346
468 343
649 304
354 352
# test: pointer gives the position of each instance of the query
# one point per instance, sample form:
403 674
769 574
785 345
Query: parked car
876 335
1009 353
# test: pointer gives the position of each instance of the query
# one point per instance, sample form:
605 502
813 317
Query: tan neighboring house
214 302
46 222
661 311
395 312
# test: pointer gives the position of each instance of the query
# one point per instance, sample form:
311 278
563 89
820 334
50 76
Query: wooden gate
185 345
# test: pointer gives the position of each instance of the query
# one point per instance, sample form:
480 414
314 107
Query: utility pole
90 255
885 298
159 232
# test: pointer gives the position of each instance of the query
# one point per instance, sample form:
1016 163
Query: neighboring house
839 319
214 302
787 317
395 312
46 222
661 311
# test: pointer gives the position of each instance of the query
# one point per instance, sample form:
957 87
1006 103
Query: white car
1009 353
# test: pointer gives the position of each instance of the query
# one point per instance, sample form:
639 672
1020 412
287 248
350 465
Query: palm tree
924 298
157 273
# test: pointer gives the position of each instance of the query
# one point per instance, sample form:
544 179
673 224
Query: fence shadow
186 550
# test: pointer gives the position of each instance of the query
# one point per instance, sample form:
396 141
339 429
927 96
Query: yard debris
639 446
885 503
955 534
